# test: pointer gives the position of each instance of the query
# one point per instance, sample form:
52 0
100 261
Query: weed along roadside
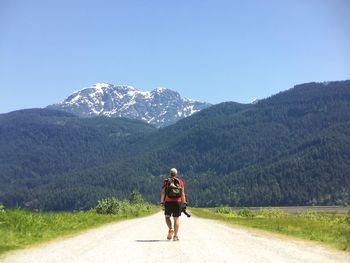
20 228
331 229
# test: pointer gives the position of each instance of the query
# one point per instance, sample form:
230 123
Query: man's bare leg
176 227
169 224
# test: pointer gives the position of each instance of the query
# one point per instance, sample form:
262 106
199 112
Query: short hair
173 171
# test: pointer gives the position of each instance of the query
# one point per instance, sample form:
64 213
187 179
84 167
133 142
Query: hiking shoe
170 234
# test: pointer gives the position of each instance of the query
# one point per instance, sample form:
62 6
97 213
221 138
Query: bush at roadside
223 210
2 208
112 206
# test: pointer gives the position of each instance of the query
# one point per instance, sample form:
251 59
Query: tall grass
328 228
20 228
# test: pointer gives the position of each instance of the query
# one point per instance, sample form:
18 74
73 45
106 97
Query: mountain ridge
159 107
290 149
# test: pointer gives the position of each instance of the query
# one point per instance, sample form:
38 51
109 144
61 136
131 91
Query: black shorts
172 209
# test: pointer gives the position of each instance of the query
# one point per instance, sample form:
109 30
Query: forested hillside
38 146
290 149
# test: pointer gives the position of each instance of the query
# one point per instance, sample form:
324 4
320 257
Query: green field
20 228
331 229
302 209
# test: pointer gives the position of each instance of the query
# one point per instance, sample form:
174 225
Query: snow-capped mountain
160 107
255 101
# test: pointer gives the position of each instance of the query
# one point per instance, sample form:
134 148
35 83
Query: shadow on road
151 240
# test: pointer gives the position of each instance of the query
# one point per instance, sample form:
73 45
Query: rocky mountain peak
160 107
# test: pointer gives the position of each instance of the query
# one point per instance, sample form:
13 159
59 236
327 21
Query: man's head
173 172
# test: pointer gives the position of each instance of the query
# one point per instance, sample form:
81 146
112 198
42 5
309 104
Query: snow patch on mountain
160 107
255 101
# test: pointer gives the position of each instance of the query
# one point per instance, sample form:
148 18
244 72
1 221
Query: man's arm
183 197
162 197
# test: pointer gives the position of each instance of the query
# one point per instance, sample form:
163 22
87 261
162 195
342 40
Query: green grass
20 228
328 228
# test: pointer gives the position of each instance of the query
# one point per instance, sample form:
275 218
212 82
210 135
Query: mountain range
292 148
160 107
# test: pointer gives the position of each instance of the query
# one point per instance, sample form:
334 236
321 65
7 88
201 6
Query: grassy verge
20 228
328 228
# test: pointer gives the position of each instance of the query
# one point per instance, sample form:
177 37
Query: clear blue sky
212 51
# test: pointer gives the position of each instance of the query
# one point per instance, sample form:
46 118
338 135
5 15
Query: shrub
223 210
2 208
139 209
311 215
109 206
134 206
347 217
245 213
271 213
136 198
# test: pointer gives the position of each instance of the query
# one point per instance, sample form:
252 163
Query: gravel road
144 240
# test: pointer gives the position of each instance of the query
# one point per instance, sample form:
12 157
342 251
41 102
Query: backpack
173 188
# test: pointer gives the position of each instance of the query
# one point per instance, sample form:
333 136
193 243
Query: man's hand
162 204
183 206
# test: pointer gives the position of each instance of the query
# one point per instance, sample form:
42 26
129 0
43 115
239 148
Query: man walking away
173 194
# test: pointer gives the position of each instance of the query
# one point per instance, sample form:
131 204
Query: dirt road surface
144 240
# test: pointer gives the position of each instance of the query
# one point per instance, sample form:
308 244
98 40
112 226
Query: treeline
290 149
37 145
